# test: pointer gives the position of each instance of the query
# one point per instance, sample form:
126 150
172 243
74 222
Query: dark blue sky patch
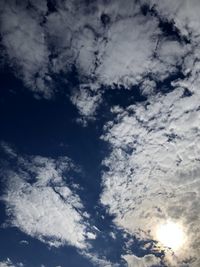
51 4
36 253
121 96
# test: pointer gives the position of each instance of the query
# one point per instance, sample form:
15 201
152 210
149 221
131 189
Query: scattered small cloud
24 242
146 261
87 101
8 263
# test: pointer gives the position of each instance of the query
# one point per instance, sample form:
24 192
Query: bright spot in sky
170 235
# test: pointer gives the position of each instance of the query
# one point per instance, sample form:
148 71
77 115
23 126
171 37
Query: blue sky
99 140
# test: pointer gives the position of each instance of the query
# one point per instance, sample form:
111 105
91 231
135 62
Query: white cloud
171 53
121 52
24 40
184 13
86 101
128 52
24 242
8 263
153 167
146 261
99 261
40 202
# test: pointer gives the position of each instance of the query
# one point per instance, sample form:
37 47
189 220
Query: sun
171 235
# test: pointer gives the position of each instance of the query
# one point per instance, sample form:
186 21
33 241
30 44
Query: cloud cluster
108 43
153 167
40 201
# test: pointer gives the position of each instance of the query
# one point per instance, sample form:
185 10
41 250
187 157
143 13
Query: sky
100 133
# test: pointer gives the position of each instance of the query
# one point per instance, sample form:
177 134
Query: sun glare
170 235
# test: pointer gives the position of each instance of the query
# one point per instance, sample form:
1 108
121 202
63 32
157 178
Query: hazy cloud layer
154 167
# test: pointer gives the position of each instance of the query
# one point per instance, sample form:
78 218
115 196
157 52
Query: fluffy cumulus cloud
109 43
153 167
41 202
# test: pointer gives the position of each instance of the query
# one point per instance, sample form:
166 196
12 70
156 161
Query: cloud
108 43
99 261
8 263
146 261
42 200
87 101
153 167
184 14
130 44
41 203
24 40
24 242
